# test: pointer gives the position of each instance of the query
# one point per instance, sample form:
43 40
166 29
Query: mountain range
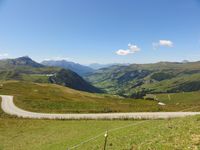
25 69
134 80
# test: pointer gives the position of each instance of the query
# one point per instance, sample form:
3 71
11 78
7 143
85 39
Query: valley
137 80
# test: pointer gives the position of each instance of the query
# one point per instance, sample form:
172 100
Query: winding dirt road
9 107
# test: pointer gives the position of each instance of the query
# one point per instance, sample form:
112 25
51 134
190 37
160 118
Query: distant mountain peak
24 60
78 68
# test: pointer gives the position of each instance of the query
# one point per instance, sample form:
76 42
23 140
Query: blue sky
103 31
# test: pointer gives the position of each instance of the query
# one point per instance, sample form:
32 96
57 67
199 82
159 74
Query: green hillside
25 69
136 80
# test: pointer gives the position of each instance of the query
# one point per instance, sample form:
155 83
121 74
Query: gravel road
9 107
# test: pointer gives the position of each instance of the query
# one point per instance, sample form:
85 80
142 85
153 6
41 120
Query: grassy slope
54 98
23 134
35 78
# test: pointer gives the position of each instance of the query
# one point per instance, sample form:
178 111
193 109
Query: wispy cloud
131 49
162 43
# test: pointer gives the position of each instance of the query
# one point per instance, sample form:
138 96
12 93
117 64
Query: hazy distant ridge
78 68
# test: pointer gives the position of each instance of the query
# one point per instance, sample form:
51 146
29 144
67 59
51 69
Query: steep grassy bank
59 99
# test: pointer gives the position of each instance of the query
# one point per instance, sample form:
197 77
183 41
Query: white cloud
123 52
3 55
131 49
165 43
